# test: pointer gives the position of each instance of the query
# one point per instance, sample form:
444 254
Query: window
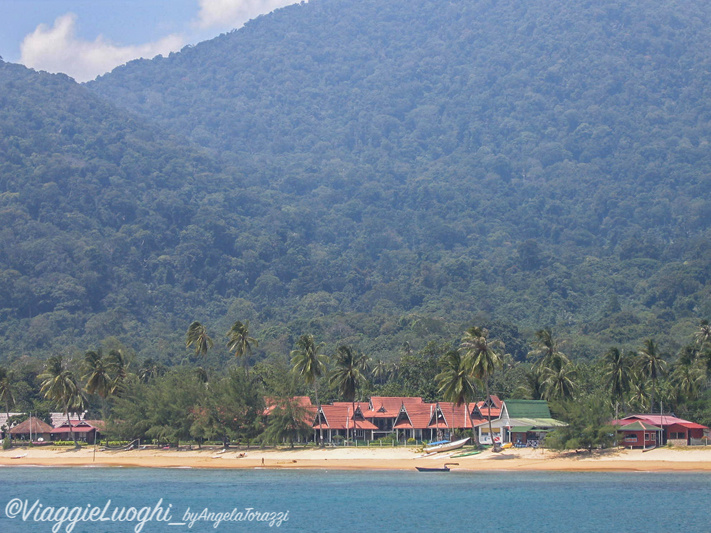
650 437
631 438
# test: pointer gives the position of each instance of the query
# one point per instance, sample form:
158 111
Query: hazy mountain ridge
375 172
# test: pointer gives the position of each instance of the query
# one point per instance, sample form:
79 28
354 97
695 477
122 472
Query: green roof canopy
528 409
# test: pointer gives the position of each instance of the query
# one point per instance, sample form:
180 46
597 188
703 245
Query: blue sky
86 38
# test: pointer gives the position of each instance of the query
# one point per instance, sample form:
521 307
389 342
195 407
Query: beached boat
466 454
445 446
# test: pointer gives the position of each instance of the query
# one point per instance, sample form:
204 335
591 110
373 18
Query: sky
87 38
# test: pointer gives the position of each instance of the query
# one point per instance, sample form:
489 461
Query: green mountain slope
542 162
372 173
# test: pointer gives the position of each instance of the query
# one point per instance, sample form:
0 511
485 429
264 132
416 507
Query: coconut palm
118 365
97 377
7 390
60 385
198 338
546 349
688 374
651 365
380 371
533 385
240 342
149 370
618 374
483 359
703 334
558 381
348 374
310 365
455 381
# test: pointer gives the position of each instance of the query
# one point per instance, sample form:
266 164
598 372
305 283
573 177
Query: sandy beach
658 460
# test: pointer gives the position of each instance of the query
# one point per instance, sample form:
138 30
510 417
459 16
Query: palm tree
483 360
149 370
703 335
197 337
348 374
311 365
118 365
7 390
288 421
618 374
533 384
60 385
455 383
651 364
380 371
638 393
98 380
240 342
558 382
688 375
546 349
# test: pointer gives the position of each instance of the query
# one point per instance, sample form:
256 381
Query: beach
400 458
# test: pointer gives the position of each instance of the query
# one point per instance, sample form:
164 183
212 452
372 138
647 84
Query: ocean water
175 500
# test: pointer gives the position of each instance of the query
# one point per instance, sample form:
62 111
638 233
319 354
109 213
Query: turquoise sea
162 500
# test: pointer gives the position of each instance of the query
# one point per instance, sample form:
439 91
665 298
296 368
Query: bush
6 444
411 441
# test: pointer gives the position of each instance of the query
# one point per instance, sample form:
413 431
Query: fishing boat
445 468
445 446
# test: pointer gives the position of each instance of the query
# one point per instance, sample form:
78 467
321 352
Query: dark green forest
377 174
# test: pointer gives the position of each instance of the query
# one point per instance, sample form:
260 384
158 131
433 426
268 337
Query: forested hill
372 173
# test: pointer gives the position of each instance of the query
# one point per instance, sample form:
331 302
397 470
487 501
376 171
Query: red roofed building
673 430
83 430
339 419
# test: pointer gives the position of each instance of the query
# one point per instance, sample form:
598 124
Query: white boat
446 446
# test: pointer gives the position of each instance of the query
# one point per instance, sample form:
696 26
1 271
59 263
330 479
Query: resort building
521 422
660 430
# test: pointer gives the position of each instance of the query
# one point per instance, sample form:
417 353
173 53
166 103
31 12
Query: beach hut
33 429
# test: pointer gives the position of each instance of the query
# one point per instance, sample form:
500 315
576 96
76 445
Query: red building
669 430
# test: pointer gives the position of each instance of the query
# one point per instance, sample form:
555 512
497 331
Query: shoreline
511 460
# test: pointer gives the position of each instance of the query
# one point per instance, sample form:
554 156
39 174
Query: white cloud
233 13
57 49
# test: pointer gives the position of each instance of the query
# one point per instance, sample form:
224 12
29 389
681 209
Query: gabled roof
414 417
389 406
527 409
34 424
341 417
639 425
455 415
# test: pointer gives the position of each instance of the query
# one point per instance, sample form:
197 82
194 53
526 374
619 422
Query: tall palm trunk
318 406
491 431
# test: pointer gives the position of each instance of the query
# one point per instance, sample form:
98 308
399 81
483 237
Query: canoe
466 454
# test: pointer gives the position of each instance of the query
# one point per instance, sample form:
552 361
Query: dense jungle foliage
373 173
